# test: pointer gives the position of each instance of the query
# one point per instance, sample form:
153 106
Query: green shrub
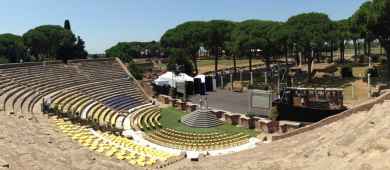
172 92
259 86
178 57
373 71
375 57
361 58
135 70
374 74
273 115
3 60
250 114
346 71
55 108
382 61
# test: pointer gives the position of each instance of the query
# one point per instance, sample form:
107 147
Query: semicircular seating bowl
23 86
195 141
81 89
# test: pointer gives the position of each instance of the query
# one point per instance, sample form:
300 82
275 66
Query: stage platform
226 100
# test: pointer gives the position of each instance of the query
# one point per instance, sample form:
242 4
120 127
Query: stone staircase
201 119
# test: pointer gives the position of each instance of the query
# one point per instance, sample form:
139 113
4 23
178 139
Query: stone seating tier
24 85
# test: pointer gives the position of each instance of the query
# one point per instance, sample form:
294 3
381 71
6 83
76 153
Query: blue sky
103 23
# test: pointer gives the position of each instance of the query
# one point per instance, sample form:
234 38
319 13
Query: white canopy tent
201 77
170 79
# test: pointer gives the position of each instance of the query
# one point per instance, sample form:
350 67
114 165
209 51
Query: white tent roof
201 77
170 79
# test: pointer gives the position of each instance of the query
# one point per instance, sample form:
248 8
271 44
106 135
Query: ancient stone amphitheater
102 93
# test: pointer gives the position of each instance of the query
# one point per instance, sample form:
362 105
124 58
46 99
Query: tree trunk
317 55
250 62
216 61
355 46
369 51
194 60
342 52
234 63
267 62
387 53
359 48
365 47
286 55
380 50
331 52
309 65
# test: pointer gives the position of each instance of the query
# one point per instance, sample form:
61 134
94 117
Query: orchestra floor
226 100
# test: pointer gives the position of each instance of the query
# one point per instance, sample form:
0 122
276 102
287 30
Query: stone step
201 119
4 164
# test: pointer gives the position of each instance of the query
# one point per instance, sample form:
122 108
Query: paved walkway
226 100
138 138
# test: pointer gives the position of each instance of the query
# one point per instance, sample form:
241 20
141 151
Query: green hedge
346 71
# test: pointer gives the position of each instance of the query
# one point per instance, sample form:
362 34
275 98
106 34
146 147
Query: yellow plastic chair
110 153
133 162
100 150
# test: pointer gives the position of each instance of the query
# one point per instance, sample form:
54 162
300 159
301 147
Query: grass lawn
3 60
170 118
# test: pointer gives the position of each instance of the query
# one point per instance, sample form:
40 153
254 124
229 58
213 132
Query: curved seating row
87 102
215 139
191 134
200 142
104 91
95 112
152 120
145 118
